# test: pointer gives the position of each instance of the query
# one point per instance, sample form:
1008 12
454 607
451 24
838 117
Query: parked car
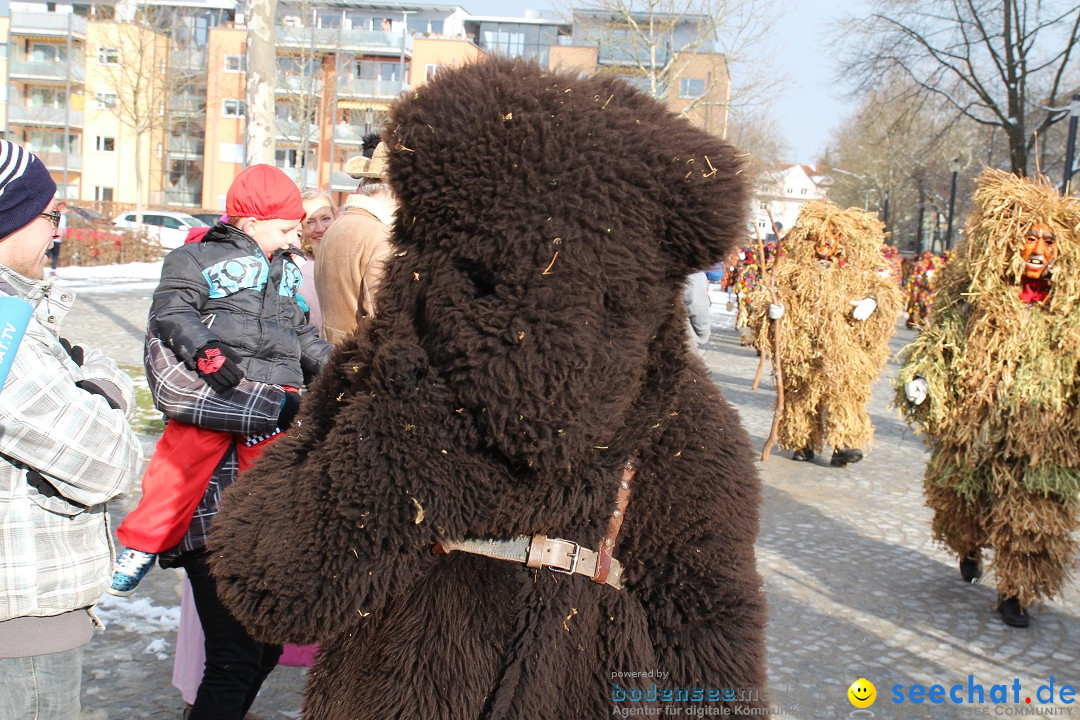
208 217
168 227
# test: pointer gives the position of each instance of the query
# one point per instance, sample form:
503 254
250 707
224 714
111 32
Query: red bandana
1033 291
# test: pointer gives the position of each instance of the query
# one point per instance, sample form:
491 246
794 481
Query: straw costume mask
829 357
1000 370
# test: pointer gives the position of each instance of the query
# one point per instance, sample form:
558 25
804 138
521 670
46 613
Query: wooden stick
764 350
778 369
760 369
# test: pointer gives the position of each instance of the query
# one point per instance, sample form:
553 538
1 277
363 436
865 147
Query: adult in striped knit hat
66 449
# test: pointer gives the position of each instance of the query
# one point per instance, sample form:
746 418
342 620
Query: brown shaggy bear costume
530 338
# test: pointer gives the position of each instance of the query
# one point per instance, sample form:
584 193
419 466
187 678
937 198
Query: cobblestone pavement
856 586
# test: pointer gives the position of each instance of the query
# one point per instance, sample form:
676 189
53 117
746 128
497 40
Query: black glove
76 352
289 409
216 364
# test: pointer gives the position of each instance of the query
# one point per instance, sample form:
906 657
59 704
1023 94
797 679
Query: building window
233 108
235 63
789 191
764 206
803 191
103 194
108 56
105 100
691 87
431 70
104 144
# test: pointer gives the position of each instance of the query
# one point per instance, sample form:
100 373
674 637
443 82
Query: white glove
863 308
916 390
776 311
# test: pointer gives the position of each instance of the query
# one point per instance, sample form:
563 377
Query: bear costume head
529 339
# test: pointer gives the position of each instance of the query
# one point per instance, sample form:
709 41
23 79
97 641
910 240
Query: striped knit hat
26 187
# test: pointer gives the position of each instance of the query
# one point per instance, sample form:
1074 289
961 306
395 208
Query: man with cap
226 308
354 248
66 449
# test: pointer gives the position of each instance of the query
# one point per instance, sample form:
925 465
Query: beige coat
347 274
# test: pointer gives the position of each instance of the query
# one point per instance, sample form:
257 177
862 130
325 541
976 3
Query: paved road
855 584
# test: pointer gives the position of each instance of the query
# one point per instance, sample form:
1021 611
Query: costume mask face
828 243
1039 251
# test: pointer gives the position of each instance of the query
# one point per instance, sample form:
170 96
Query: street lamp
952 204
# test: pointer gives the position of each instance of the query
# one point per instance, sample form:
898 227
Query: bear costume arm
316 537
696 576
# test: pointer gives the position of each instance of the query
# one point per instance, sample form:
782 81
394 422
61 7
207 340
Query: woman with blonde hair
320 215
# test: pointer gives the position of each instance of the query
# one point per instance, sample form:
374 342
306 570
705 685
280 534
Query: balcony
186 146
21 68
348 134
306 178
361 42
46 24
187 105
190 59
354 87
47 115
184 197
290 130
299 84
55 160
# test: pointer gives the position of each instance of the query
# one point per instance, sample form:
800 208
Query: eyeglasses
53 217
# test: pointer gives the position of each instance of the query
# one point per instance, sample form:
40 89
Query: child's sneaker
131 567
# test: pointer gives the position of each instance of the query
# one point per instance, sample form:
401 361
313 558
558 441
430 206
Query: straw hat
359 166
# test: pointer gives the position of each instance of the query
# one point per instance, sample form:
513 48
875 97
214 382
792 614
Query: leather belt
565 556
539 551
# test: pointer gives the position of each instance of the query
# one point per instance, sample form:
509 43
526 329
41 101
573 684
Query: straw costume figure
839 304
994 383
518 479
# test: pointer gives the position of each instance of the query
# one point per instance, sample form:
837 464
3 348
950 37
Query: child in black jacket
227 307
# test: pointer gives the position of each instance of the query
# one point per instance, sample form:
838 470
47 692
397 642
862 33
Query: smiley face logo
862 693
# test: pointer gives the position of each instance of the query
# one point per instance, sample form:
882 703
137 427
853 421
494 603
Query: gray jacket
64 453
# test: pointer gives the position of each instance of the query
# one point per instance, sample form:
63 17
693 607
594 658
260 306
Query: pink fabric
299 655
190 656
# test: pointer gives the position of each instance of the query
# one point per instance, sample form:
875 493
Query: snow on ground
138 615
109 278
722 318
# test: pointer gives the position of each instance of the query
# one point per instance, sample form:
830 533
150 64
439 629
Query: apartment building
75 75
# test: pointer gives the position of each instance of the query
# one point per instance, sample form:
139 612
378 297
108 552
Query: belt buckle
574 558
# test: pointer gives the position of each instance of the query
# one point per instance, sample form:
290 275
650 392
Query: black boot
804 454
971 568
840 458
1012 613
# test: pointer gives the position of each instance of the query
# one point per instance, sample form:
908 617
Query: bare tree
996 63
756 134
261 79
655 42
904 153
300 73
141 83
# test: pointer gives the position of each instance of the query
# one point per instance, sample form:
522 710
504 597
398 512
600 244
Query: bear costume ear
699 178
573 157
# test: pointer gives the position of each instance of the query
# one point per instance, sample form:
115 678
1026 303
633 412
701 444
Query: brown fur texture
498 392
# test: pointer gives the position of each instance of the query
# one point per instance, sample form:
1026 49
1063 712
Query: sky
813 104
